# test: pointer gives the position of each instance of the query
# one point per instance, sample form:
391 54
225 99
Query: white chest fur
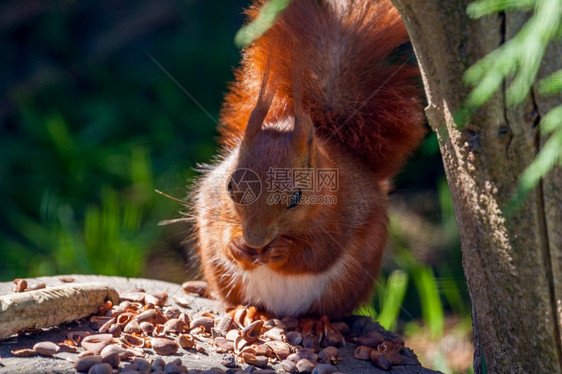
288 295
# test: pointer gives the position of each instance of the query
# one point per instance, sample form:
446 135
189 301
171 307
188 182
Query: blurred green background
90 126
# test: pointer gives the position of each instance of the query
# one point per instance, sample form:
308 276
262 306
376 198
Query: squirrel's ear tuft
265 99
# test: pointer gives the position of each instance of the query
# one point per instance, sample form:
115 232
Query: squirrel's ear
265 98
304 129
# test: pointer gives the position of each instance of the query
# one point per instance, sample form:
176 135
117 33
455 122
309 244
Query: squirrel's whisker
183 202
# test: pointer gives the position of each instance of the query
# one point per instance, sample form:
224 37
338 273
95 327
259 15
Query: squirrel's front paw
275 255
246 256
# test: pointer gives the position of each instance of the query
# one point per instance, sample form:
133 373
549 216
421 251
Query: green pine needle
261 24
552 84
478 9
519 59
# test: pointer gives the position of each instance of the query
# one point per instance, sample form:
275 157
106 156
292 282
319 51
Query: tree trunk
513 266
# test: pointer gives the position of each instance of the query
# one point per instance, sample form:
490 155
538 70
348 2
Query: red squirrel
323 90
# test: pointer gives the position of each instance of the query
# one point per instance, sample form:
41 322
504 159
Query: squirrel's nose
258 238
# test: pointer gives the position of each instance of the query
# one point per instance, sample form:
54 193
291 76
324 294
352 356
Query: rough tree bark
513 267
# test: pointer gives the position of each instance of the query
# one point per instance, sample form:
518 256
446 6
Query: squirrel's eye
231 189
295 199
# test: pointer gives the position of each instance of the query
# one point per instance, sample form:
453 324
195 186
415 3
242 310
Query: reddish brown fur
366 105
315 91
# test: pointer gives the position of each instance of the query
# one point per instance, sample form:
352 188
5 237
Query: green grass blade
393 298
366 310
451 291
432 308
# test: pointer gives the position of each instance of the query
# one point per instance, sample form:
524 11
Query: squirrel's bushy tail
360 92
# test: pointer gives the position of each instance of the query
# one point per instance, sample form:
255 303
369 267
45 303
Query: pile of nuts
144 323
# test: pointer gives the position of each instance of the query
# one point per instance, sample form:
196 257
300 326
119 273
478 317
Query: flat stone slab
193 360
